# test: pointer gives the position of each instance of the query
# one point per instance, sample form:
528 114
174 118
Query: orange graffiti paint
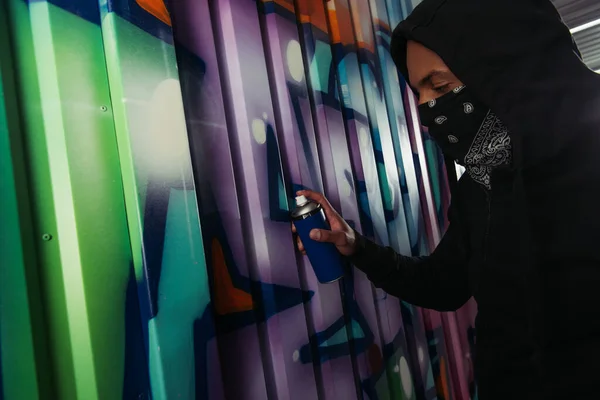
157 8
227 298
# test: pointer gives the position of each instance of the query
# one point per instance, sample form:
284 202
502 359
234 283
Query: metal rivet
47 237
104 108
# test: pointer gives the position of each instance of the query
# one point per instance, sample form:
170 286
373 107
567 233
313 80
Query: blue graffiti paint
278 207
85 9
131 11
298 92
204 331
136 382
348 335
364 209
155 220
271 7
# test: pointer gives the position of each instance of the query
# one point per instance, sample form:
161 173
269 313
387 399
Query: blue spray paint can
324 257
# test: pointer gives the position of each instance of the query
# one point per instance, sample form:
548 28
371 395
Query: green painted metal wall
71 221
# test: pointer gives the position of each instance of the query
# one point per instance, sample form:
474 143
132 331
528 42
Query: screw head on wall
46 237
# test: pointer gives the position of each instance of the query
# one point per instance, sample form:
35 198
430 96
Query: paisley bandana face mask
469 132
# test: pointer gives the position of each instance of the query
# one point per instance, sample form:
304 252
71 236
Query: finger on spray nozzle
309 194
320 199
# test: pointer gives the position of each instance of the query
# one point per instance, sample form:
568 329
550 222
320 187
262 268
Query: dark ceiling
576 13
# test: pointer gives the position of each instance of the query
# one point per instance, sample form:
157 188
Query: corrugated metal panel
576 13
589 45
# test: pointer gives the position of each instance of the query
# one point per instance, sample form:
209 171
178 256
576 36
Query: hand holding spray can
324 257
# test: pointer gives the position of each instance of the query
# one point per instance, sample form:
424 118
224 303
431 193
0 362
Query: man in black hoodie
503 90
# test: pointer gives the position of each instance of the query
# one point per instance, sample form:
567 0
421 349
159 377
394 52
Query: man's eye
442 89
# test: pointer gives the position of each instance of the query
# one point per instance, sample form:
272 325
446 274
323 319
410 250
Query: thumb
336 237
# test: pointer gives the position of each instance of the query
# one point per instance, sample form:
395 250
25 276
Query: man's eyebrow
429 77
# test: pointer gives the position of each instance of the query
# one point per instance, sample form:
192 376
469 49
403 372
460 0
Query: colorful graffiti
164 142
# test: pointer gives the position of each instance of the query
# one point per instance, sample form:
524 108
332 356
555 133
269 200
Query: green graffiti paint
154 149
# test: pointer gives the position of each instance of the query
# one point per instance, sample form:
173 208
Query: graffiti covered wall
164 142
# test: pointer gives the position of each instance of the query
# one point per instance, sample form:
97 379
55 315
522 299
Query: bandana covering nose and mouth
469 132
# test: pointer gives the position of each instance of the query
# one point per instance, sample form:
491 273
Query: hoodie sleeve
439 281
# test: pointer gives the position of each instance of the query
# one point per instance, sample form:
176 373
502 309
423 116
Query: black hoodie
528 250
